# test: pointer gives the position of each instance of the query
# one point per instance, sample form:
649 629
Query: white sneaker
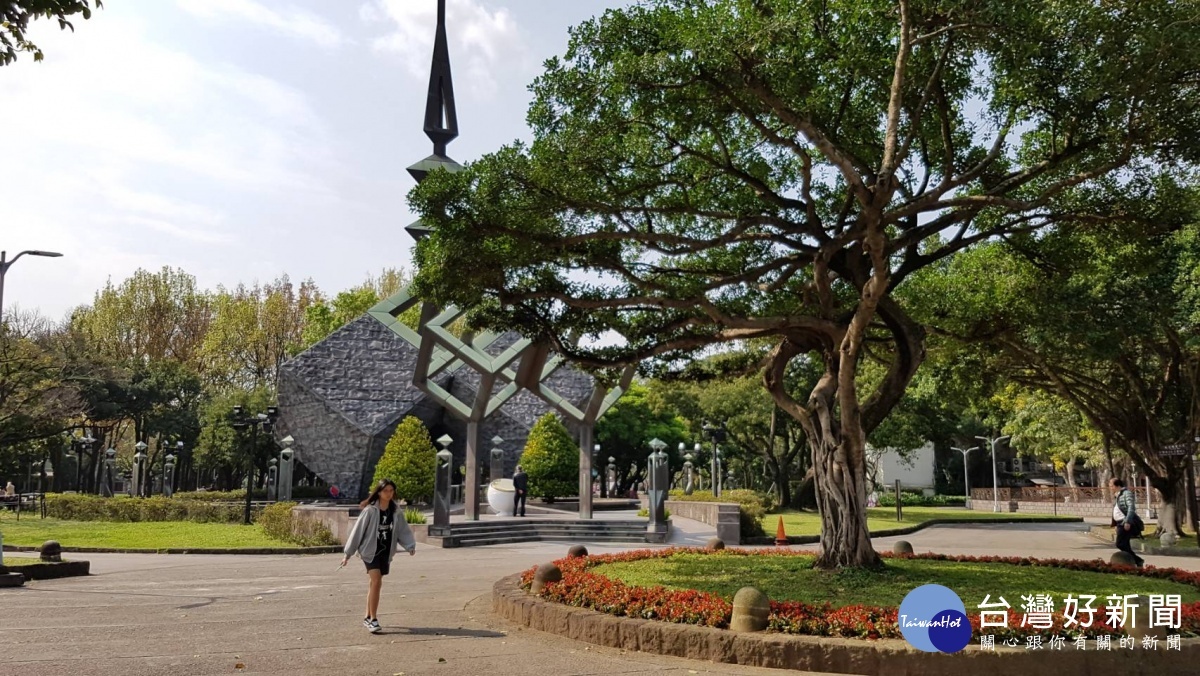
367 624
375 628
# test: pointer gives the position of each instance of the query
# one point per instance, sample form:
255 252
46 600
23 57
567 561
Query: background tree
410 460
222 451
625 430
323 317
551 459
16 15
1047 427
254 330
1099 318
36 400
743 169
150 316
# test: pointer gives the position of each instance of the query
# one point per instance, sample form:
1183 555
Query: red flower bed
584 588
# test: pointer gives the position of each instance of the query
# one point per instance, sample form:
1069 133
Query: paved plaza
181 615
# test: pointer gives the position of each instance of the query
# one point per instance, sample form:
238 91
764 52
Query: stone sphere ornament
1122 559
1168 538
716 544
751 610
577 552
546 573
51 551
902 547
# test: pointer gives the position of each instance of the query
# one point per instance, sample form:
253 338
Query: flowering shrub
583 587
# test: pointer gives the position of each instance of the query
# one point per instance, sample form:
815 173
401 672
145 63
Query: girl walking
379 529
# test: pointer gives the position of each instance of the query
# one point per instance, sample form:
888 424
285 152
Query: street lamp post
716 434
169 475
995 476
966 471
5 264
81 446
241 423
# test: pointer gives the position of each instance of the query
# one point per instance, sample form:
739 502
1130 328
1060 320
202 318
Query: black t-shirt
383 537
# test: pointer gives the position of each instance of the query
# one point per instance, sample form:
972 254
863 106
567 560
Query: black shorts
381 564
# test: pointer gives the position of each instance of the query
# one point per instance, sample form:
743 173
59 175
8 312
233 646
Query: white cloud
289 20
124 152
121 97
481 40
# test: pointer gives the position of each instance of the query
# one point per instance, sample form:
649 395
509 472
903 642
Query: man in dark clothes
521 485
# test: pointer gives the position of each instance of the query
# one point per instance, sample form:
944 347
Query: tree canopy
704 173
1101 318
15 16
409 460
551 459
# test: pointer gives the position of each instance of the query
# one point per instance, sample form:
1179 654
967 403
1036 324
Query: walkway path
183 615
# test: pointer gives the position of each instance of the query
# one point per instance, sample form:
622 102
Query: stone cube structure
342 399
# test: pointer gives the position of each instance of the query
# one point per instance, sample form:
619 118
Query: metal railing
1055 494
24 502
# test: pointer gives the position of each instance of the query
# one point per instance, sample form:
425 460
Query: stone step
562 532
454 541
518 530
465 528
525 523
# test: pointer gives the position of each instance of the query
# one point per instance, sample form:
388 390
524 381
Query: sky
243 139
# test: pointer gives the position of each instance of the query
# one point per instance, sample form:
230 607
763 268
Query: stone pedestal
441 495
659 481
585 472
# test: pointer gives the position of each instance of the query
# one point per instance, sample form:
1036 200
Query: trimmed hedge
277 522
298 493
95 508
752 506
919 500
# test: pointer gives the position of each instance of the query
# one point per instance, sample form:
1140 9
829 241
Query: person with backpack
1126 520
380 528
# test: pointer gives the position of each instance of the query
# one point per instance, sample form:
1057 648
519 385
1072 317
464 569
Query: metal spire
441 119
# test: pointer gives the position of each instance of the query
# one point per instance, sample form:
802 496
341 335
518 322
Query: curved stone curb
52 571
187 550
908 530
818 654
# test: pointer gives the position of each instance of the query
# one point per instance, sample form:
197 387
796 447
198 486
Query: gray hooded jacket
362 538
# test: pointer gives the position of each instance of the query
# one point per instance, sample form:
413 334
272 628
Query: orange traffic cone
780 536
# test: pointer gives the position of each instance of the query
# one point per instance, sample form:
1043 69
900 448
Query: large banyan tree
705 172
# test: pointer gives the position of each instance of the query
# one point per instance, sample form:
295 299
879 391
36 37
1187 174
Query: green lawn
1187 541
792 578
884 518
11 561
32 531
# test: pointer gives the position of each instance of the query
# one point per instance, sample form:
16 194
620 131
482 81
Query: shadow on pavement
441 631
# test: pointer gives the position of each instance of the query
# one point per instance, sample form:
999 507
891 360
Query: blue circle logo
933 619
